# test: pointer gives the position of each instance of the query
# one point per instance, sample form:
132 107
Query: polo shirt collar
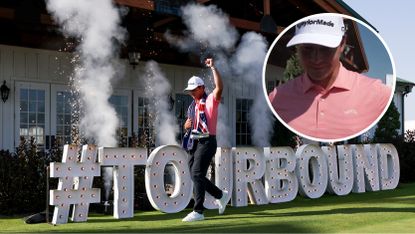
342 81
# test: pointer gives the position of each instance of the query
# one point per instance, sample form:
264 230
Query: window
182 104
63 117
121 105
145 131
33 108
272 84
62 114
32 112
243 131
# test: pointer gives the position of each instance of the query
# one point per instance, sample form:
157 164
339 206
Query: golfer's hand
188 124
209 62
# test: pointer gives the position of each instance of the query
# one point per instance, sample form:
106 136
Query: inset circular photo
329 77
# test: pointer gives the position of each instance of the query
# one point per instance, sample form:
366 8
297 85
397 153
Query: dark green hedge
406 151
23 178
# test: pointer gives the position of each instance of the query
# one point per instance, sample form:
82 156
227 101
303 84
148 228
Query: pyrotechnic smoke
208 26
247 64
223 128
96 23
209 33
158 90
210 30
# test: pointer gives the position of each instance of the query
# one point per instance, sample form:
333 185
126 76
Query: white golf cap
193 83
322 29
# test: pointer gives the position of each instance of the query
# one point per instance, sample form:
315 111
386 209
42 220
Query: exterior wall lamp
134 58
4 91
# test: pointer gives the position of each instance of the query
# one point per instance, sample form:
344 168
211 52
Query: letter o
154 179
313 156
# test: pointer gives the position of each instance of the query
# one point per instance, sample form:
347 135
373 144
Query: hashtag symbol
75 184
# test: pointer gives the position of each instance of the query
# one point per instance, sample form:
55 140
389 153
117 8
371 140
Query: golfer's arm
217 92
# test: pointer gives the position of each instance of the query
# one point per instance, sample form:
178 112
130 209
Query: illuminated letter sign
75 184
281 184
340 167
249 168
388 166
223 176
123 160
154 177
310 171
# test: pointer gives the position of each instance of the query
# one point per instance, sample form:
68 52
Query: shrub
406 152
23 178
282 136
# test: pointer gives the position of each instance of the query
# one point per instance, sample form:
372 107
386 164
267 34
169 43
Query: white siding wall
397 99
19 64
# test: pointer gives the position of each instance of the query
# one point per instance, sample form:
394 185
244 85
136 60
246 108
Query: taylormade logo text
312 22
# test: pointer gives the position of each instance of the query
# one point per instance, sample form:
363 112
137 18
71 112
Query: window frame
54 89
33 86
127 93
139 94
247 133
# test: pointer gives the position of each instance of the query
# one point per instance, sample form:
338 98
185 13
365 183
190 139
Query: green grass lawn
383 211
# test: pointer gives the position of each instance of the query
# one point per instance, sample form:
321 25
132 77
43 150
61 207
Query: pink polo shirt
352 103
211 113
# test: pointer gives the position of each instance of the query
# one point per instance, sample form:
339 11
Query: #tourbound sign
259 175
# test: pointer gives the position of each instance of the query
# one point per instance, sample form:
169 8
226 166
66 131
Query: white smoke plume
158 89
223 129
208 26
96 23
210 30
247 64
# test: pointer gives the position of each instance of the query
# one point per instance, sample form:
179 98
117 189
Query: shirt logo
350 112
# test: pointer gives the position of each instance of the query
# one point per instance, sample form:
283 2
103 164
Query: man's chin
317 76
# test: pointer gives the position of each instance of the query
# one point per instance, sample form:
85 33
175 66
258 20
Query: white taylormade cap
193 83
322 29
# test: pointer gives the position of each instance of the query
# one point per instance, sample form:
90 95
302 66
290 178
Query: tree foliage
292 68
388 126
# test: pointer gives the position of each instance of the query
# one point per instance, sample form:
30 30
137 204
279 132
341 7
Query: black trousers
200 157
